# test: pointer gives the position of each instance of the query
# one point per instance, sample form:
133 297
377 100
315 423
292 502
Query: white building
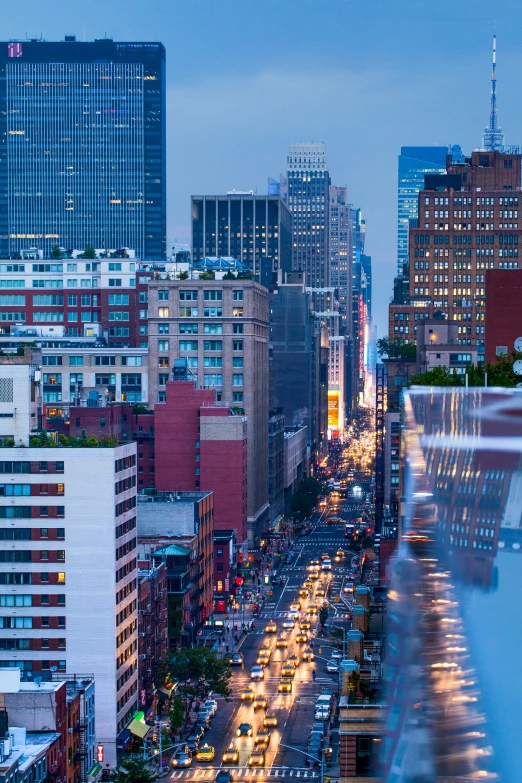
68 560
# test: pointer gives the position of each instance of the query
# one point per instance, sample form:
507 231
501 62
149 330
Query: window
213 328
44 511
61 622
213 296
163 312
60 554
144 297
115 282
219 568
76 361
44 577
237 328
132 361
61 599
237 312
188 312
60 532
213 345
213 379
163 295
213 361
163 361
117 315
237 296
237 361
237 396
16 600
44 554
164 328
72 282
104 361
188 345
188 296
61 577
187 329
114 267
237 379
51 361
237 345
86 300
163 345
163 378
213 312
44 600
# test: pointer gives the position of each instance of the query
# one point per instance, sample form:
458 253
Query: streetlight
321 760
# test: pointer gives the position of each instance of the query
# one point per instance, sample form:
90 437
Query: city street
295 710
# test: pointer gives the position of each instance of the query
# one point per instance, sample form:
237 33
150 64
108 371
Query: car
327 565
262 737
332 666
203 724
313 564
288 622
348 587
223 776
314 576
308 584
295 605
312 610
230 755
270 719
192 746
287 670
247 694
325 556
308 654
256 759
260 702
336 656
182 759
285 686
204 715
305 625
196 734
237 659
211 704
304 592
263 660
256 672
340 555
294 660
245 730
320 592
302 637
293 613
205 753
271 627
282 641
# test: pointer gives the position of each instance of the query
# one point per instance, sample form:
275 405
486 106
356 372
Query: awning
138 728
123 739
95 771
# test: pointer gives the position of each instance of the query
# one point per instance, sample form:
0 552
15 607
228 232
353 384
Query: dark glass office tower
254 229
82 158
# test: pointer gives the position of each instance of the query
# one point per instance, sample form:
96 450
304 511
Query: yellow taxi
285 686
271 627
320 592
256 759
308 654
205 753
312 610
287 670
304 592
295 606
262 737
282 641
270 719
314 576
231 755
302 637
260 701
305 625
294 660
263 658
247 694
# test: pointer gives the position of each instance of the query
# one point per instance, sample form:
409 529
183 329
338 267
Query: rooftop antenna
493 137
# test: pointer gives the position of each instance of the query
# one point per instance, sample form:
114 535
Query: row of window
504 201
7 466
25 533
27 622
26 578
208 295
193 312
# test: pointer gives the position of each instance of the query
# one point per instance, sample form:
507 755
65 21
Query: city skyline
400 98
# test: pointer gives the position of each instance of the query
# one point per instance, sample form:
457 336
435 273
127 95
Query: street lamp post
321 760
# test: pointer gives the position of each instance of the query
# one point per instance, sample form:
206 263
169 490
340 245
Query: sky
246 78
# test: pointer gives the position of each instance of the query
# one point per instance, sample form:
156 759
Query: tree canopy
499 374
132 771
198 666
395 349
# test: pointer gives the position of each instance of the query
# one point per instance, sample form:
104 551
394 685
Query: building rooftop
172 550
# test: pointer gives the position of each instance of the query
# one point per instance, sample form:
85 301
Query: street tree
323 615
197 670
132 771
176 714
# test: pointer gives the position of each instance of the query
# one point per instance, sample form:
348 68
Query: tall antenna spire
493 138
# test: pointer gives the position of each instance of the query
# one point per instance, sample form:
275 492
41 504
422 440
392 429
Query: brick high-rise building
220 329
468 223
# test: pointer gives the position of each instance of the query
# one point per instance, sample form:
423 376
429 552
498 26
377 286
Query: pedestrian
313 675
236 638
228 627
227 647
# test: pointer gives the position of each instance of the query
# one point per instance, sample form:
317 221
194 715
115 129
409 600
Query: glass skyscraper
82 160
414 163
256 230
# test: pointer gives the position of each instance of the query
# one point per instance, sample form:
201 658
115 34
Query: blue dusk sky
245 78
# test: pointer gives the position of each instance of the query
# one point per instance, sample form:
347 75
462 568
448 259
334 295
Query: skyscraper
414 163
308 182
340 246
83 154
256 230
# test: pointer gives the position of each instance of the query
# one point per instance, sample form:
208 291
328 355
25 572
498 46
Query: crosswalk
273 771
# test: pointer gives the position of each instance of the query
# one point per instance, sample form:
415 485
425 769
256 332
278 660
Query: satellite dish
517 367
38 680
518 344
54 668
519 385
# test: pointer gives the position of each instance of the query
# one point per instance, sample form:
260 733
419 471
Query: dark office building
256 230
299 360
82 160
